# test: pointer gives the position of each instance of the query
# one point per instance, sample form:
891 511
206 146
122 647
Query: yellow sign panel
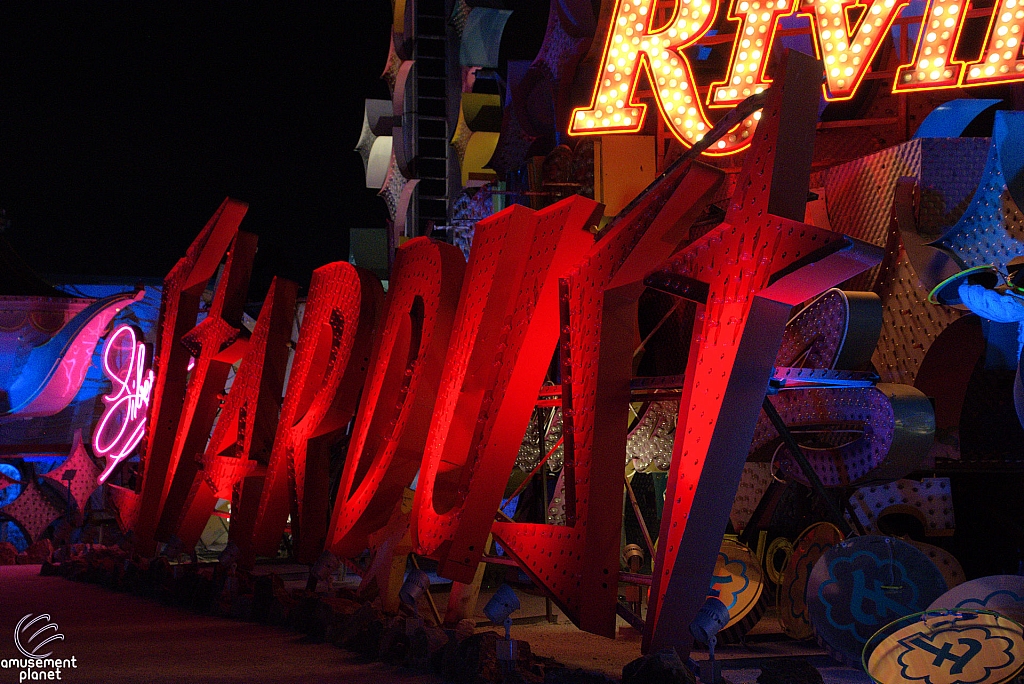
955 647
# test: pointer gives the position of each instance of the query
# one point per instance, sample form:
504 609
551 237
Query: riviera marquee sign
846 35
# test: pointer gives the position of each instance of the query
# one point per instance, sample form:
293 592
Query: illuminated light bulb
642 44
755 19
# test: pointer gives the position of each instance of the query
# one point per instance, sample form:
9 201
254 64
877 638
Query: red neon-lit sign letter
123 423
177 394
747 274
505 334
598 301
327 373
390 431
233 463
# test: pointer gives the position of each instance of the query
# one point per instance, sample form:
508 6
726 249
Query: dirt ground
119 638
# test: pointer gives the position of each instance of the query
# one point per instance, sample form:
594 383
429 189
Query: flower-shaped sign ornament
123 423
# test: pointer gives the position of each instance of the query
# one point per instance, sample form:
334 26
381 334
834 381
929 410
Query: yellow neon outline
807 8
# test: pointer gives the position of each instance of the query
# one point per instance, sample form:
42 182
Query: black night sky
124 124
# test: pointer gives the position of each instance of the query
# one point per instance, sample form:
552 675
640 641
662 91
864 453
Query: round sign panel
740 585
808 548
947 647
1003 594
863 584
946 562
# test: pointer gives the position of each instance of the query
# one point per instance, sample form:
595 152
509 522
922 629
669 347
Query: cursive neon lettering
123 423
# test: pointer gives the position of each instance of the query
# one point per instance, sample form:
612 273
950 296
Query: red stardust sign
441 376
846 34
123 423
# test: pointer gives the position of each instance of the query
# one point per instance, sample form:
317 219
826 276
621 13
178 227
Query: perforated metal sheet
991 231
930 499
859 194
32 510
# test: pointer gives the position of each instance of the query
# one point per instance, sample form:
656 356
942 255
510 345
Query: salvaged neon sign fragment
123 423
846 34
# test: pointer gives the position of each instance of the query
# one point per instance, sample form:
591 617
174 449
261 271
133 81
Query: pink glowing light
123 422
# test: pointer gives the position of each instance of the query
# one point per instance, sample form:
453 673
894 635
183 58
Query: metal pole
805 466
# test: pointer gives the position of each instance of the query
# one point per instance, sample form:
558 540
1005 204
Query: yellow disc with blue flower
947 647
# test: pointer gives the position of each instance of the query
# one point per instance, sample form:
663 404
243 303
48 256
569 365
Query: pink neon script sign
123 422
